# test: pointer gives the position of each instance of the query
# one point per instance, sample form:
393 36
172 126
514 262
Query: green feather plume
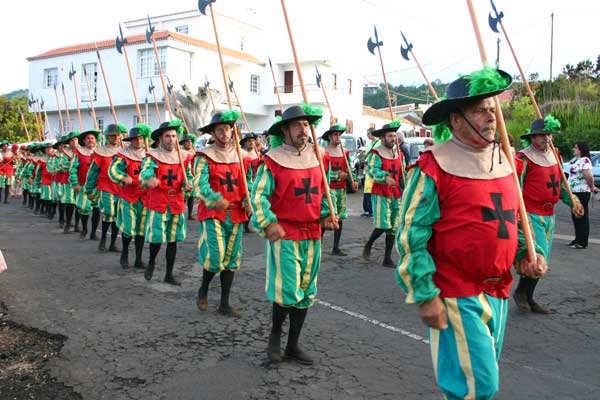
441 133
486 80
145 130
230 116
551 124
526 141
275 141
122 128
313 111
277 119
395 124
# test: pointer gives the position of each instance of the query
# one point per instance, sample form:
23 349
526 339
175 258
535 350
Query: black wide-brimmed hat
465 90
305 111
138 130
174 124
115 129
390 127
339 128
83 134
547 126
228 117
247 136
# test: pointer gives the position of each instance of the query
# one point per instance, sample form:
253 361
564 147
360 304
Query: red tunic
46 175
227 180
336 163
133 192
169 192
104 183
474 242
394 167
541 186
297 200
6 165
84 166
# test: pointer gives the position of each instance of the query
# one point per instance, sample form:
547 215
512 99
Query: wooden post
275 86
506 144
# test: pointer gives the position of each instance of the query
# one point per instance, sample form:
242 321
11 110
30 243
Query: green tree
11 126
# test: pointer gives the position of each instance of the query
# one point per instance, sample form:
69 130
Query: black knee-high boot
32 197
95 223
69 208
369 245
292 350
139 247
337 235
226 282
25 197
50 209
84 226
278 316
124 261
170 255
389 246
77 218
535 307
6 190
190 207
61 215
114 231
38 204
154 249
202 301
102 244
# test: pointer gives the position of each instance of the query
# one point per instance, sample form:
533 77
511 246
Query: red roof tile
136 39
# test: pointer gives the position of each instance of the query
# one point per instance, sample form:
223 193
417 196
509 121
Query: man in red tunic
458 237
166 181
222 210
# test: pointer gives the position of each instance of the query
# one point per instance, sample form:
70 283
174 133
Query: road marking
569 238
375 322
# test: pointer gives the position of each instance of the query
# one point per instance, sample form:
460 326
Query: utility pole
551 42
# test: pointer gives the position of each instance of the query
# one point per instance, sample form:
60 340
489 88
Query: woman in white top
581 181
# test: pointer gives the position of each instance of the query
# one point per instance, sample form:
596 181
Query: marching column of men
453 215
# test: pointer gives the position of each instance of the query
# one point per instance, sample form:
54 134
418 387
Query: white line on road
383 325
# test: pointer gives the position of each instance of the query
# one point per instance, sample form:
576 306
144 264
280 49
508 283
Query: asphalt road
128 339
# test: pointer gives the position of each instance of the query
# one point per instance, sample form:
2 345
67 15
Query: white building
188 55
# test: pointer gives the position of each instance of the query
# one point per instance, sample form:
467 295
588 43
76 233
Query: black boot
170 255
292 350
31 200
25 197
389 246
37 205
114 231
337 235
124 261
102 244
6 190
274 347
95 223
535 307
61 215
369 245
520 294
226 282
69 208
202 301
77 218
139 247
190 207
154 249
84 226
50 210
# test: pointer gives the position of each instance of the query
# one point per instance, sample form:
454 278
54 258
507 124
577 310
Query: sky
440 31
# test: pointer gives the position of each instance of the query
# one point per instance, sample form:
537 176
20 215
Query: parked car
595 159
415 147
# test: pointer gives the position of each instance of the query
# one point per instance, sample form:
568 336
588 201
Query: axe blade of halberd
72 72
230 83
42 104
494 20
318 76
149 31
405 50
151 86
202 4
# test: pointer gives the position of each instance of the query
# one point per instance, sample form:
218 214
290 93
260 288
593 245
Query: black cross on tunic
137 171
553 184
170 177
306 190
394 171
336 167
228 181
498 214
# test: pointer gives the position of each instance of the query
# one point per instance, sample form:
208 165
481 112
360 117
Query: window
349 86
50 77
147 66
254 84
89 73
101 124
136 120
184 29
288 81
